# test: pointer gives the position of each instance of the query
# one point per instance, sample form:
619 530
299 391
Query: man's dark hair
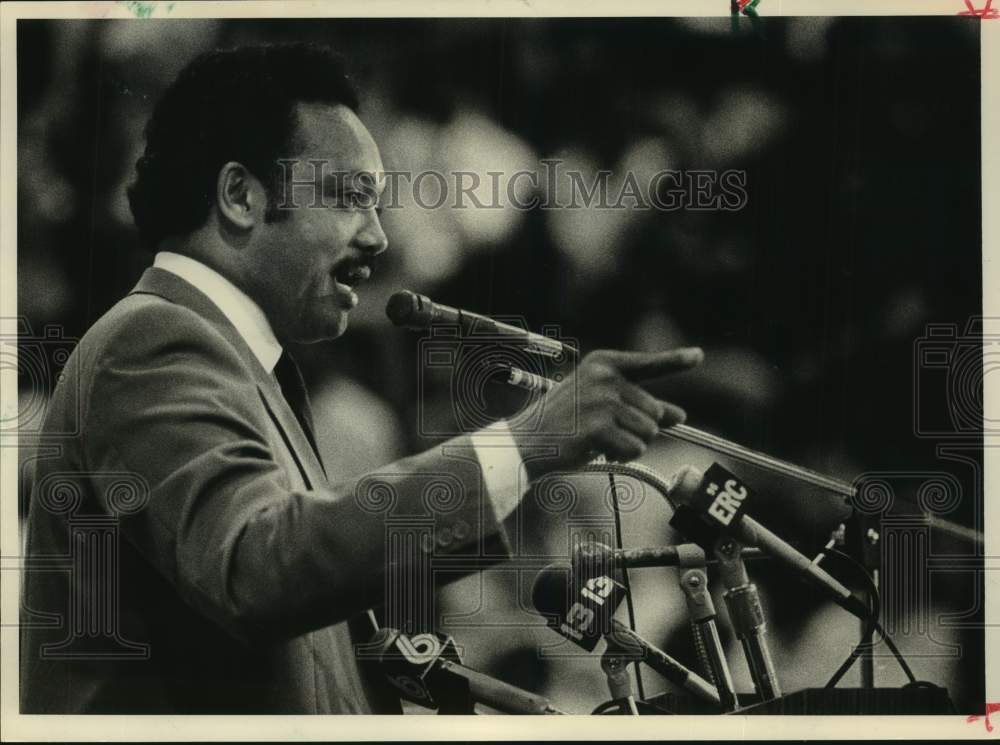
227 105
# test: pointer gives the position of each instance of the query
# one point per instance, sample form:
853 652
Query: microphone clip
615 666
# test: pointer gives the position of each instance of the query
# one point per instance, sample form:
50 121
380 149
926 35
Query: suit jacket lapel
171 287
338 639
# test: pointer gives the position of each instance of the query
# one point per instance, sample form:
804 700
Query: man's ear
240 196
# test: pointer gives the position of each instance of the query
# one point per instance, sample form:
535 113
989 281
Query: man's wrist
504 473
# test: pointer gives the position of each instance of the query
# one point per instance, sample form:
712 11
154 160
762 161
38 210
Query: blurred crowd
860 143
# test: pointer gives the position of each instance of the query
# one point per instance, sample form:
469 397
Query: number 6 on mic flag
412 665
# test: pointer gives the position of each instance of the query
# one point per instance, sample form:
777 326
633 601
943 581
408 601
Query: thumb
636 366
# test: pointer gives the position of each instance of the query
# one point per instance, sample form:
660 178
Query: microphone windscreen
550 594
402 307
684 485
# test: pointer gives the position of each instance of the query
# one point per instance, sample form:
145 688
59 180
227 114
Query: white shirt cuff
503 470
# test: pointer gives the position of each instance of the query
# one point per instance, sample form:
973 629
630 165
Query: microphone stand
747 617
861 531
864 540
701 609
868 654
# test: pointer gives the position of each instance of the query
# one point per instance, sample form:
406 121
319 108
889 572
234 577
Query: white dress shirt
503 470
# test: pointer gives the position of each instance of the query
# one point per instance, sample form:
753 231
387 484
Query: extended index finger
637 366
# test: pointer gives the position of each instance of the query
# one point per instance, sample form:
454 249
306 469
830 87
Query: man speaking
244 579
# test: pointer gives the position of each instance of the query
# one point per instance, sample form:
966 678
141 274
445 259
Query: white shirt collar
236 305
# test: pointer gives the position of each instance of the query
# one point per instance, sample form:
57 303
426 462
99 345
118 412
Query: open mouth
352 274
347 277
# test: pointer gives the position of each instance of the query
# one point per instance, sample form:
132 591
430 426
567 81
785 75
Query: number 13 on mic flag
590 610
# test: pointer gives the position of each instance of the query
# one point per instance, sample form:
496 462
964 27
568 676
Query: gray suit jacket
185 551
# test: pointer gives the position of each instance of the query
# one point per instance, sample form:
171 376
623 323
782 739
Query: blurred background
860 141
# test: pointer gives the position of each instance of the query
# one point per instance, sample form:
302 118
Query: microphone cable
648 476
616 512
641 706
873 626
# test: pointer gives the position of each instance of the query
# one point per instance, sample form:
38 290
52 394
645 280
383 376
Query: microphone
417 312
584 612
681 555
718 500
426 669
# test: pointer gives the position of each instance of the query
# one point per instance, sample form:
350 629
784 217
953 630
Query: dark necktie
293 388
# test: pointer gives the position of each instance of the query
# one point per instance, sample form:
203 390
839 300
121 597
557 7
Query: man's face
305 265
